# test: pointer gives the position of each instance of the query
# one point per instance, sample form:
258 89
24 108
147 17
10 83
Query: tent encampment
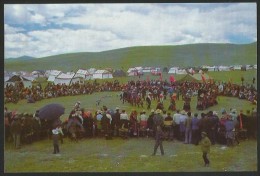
102 74
17 79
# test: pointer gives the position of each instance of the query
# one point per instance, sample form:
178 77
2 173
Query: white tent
181 72
237 67
66 79
102 74
135 71
52 74
27 75
255 66
6 78
210 68
224 68
83 74
173 70
92 70
147 69
249 67
17 79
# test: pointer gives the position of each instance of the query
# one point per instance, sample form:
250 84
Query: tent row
81 75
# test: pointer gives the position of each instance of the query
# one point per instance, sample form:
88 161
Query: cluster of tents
57 77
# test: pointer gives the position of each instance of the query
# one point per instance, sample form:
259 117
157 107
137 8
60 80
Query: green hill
162 56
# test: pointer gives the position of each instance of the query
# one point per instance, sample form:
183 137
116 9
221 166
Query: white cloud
12 30
111 26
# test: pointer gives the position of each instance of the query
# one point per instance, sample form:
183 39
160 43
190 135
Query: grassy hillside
181 55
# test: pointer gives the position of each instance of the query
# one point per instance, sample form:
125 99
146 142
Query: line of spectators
226 128
157 90
14 93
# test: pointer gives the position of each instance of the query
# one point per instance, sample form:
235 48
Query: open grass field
132 155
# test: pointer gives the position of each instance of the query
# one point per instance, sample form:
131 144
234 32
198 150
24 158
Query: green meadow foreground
132 155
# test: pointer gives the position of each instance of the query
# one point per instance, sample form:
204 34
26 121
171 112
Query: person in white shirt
124 116
176 127
183 118
55 136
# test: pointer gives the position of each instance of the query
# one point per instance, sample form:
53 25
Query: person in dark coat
150 124
158 123
168 125
148 101
16 128
115 124
213 123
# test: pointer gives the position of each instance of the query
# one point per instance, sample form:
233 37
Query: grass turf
132 155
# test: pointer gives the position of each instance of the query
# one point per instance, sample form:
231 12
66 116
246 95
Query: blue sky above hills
40 30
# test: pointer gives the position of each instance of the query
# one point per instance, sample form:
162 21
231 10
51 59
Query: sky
40 30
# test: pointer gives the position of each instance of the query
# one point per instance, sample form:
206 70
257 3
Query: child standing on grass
205 147
56 136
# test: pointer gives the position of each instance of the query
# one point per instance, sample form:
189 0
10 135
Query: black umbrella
51 111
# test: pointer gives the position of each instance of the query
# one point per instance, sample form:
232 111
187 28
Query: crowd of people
14 93
136 92
182 125
185 126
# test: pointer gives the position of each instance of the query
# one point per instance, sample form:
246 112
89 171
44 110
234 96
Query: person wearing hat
16 129
205 148
55 138
158 124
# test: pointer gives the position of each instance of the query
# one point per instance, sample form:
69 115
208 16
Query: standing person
116 122
205 147
176 127
158 123
230 131
16 129
143 123
148 101
168 125
212 124
55 137
183 118
150 124
195 129
188 131
98 122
